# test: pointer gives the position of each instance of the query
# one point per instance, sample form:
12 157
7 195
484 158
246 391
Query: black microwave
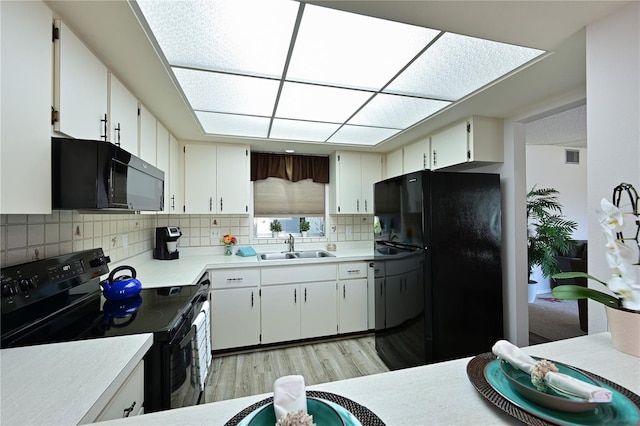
98 175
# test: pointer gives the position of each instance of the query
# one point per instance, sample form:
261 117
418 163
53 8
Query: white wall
546 168
613 124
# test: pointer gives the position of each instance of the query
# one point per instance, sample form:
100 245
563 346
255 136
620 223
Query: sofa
575 261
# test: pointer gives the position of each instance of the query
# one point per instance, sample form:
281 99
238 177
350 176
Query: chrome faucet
291 241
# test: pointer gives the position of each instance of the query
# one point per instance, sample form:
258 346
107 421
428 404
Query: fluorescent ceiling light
289 70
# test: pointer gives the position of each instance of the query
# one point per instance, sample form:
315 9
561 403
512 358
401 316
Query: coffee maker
167 243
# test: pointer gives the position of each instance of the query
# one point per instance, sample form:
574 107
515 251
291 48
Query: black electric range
59 299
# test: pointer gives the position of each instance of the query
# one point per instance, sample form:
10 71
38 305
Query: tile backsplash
24 238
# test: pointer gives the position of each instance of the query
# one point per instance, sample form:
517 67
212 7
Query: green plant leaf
573 292
563 275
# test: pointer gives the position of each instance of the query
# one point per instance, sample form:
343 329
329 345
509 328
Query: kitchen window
289 188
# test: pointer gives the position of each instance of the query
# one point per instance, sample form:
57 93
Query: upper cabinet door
450 146
147 146
25 141
123 116
162 161
176 188
233 179
80 88
200 178
371 166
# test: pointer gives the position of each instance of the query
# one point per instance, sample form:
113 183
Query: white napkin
289 395
515 356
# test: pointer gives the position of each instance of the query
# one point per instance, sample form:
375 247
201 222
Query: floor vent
572 156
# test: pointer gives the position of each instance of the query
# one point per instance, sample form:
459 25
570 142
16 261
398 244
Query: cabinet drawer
350 270
298 274
129 399
234 278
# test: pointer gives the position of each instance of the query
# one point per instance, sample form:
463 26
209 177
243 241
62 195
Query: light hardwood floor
234 376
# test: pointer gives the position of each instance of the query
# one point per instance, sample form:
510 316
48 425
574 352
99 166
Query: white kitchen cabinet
475 140
298 302
235 307
80 88
162 161
352 176
394 163
175 202
123 116
216 179
280 313
25 141
129 398
233 177
235 318
318 310
416 156
352 297
147 143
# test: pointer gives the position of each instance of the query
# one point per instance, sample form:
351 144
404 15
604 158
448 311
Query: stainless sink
302 254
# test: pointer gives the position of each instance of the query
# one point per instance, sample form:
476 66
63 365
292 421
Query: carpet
553 319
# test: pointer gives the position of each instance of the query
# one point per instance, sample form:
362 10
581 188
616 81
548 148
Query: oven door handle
188 336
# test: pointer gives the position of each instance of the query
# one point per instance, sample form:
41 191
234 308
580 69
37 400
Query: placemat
362 413
475 372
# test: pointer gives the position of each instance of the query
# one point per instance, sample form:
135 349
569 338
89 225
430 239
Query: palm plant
549 233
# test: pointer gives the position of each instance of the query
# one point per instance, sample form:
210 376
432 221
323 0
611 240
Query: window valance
290 167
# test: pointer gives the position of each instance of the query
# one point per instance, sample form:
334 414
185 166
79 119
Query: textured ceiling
566 128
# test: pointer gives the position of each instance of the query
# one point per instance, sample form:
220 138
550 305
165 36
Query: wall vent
572 156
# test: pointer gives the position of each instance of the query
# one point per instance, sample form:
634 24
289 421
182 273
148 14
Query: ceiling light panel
319 103
234 36
360 135
338 48
216 92
396 111
236 125
456 65
302 130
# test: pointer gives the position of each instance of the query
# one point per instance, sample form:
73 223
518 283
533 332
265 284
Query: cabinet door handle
128 411
173 202
221 204
305 295
252 299
117 129
235 279
295 295
358 205
344 292
353 271
210 203
435 161
365 205
106 129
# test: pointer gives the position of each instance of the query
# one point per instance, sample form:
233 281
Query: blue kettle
122 287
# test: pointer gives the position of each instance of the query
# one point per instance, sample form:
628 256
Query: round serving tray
362 413
475 372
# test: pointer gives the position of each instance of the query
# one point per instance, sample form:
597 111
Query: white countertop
438 394
66 383
195 261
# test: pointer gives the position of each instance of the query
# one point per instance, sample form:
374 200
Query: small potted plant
549 234
304 227
229 240
275 226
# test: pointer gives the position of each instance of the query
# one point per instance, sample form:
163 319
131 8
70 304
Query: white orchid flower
611 219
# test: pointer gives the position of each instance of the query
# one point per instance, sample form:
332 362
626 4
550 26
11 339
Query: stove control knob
24 285
8 289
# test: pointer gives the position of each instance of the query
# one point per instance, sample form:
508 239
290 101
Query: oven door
183 373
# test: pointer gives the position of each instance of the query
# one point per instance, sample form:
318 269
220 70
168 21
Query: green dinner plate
323 412
620 411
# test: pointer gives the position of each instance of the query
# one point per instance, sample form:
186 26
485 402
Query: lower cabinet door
318 309
235 318
280 313
352 296
128 400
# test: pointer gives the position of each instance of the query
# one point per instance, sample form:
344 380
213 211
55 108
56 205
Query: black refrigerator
438 293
